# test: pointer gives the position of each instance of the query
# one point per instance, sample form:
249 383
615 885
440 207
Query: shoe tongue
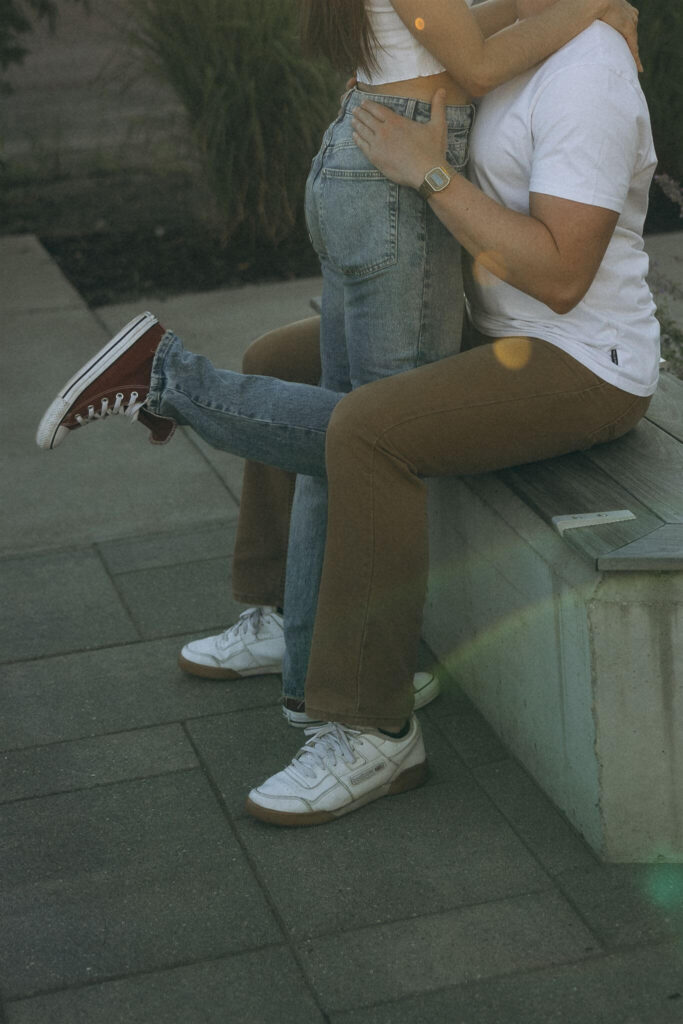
160 427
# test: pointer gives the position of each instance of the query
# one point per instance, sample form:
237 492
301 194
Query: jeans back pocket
352 212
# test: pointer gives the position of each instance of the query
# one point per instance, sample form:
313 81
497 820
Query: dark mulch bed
115 267
118 237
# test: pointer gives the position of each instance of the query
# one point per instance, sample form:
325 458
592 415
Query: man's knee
289 353
356 422
266 356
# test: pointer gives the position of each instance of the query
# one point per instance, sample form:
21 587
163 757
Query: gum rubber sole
411 778
216 672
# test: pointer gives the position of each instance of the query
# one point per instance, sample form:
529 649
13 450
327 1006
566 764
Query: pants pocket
358 218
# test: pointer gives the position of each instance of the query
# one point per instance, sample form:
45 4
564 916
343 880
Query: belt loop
410 108
345 98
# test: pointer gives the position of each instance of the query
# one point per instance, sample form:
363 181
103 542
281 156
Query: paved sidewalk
135 889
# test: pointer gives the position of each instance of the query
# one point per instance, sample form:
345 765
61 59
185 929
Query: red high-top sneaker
114 382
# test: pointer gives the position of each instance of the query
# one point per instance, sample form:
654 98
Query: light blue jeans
392 300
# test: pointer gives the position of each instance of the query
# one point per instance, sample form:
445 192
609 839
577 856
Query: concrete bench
570 640
568 636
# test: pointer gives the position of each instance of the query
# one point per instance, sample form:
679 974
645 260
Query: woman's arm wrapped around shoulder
452 33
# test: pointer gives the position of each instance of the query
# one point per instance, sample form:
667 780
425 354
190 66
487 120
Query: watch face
437 178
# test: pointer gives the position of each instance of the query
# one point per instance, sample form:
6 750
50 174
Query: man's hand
402 149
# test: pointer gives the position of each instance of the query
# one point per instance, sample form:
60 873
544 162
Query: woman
391 292
467 414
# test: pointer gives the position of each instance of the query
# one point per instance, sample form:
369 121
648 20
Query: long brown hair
339 30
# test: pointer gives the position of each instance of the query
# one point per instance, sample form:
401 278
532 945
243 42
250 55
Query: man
552 218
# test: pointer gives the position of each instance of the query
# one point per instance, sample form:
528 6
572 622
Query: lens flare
664 885
512 353
419 24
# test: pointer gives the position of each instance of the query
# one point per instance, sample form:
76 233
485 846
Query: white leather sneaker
253 646
426 687
339 770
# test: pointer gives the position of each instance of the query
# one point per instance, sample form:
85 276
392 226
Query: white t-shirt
576 127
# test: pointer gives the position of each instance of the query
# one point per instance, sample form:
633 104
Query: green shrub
17 19
661 45
255 106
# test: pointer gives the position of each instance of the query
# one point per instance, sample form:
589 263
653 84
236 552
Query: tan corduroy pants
496 404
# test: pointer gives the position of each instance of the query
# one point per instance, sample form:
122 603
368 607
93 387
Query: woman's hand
622 16
402 149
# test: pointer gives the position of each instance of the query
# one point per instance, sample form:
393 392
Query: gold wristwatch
436 180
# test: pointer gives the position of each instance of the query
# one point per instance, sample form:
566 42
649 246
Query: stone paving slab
629 905
104 482
472 737
192 596
122 879
31 281
365 965
65 601
534 817
228 468
133 554
241 749
221 324
637 987
112 690
261 987
82 764
436 848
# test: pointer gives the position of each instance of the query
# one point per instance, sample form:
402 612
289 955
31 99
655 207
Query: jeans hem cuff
157 383
358 721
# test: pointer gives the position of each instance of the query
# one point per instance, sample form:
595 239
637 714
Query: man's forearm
552 253
517 248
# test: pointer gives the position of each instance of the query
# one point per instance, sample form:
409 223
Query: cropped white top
399 55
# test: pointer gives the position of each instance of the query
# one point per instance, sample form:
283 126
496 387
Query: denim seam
157 382
283 574
236 415
622 416
483 405
371 575
419 360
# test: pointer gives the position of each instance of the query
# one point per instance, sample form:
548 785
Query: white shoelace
248 622
329 744
132 409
